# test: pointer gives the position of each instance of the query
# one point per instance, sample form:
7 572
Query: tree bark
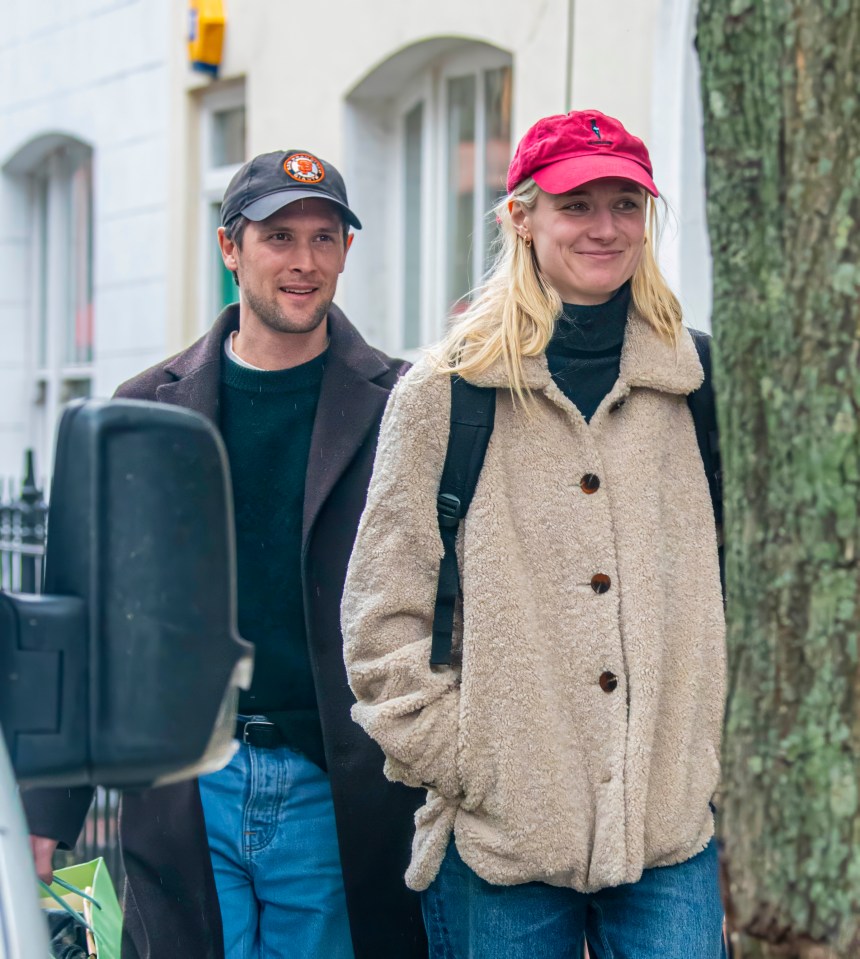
781 97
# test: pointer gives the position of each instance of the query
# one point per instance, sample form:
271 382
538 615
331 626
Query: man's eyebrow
288 228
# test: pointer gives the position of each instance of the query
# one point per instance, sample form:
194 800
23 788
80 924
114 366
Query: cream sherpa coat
540 770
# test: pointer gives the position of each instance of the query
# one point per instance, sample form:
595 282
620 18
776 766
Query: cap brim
265 206
572 172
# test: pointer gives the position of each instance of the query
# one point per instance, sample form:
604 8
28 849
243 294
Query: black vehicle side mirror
126 671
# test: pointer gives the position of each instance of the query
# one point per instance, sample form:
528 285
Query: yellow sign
205 34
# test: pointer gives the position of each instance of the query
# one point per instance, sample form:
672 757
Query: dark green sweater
266 421
584 354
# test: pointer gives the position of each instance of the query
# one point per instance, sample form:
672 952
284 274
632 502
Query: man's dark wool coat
171 909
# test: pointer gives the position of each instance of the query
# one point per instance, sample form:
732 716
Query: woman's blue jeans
673 912
270 823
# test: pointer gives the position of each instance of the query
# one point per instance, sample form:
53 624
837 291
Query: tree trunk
781 97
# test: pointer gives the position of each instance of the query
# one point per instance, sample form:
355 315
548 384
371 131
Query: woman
571 754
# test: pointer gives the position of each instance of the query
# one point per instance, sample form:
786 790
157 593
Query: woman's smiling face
587 242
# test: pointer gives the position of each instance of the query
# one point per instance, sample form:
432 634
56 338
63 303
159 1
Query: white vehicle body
23 931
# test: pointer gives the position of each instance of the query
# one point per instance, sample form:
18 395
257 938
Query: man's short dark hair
235 231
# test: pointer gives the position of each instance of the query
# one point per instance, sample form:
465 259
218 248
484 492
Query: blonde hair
513 313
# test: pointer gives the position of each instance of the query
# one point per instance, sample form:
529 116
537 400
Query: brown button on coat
536 770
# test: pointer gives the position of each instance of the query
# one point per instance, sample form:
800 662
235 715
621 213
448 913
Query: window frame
420 90
213 182
430 86
54 378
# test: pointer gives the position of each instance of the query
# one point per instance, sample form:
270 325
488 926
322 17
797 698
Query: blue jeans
672 913
270 824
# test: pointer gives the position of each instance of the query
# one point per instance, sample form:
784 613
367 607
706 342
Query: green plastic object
87 889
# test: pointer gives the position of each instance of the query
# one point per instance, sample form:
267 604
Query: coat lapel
350 405
197 391
198 369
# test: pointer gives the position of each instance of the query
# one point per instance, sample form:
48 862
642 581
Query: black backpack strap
704 410
473 411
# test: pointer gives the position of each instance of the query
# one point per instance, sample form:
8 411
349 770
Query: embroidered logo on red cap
599 142
304 168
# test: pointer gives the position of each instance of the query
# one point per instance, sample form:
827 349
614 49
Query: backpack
473 410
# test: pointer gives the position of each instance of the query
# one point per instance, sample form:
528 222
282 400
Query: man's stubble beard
272 316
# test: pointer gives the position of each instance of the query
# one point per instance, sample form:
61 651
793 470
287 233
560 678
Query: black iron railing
22 535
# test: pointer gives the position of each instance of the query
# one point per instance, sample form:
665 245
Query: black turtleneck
584 354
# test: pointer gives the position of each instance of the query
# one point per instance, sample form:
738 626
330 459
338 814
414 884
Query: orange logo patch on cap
304 168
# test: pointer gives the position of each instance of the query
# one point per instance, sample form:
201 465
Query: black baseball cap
272 180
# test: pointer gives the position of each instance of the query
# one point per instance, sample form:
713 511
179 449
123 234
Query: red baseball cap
564 151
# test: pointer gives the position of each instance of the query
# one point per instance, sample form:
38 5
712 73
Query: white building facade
420 107
84 153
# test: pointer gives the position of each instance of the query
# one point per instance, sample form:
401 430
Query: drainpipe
568 71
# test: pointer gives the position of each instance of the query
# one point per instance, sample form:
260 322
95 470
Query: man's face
289 264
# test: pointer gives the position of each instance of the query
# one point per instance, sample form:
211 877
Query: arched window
56 173
429 142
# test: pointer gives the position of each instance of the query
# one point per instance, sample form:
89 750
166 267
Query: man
300 830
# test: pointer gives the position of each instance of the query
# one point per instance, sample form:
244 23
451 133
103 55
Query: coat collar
350 402
209 348
346 343
198 369
646 361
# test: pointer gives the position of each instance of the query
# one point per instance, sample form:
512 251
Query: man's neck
268 349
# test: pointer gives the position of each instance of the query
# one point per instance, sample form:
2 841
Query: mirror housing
126 672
